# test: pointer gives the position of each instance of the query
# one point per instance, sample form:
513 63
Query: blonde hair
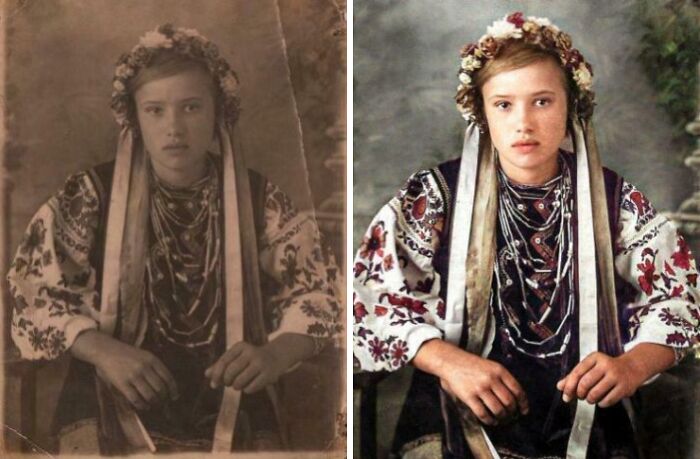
514 55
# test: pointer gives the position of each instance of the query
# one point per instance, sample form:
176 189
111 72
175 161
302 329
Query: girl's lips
176 149
525 147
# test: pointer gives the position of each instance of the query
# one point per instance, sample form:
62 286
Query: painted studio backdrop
59 61
406 59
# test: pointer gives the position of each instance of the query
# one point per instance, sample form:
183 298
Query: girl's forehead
532 78
184 85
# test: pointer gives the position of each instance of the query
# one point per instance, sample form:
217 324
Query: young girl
533 290
175 277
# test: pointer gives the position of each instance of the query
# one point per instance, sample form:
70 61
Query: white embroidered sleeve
50 278
303 282
396 303
657 262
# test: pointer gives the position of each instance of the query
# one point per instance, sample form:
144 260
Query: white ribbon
460 234
235 298
122 270
587 291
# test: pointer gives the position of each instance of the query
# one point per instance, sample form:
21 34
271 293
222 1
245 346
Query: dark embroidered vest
446 176
78 399
424 411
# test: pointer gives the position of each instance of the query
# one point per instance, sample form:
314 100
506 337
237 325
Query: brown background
289 56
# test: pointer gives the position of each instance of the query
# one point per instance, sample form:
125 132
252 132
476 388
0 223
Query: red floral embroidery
640 201
380 310
416 306
694 313
681 258
677 291
648 277
399 351
441 309
692 279
374 243
419 207
378 349
676 338
668 269
359 311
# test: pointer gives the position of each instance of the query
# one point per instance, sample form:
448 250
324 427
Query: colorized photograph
525 219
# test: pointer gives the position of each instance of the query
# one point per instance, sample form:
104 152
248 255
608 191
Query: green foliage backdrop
670 55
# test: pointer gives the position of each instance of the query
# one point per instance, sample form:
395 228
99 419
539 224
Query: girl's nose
174 124
523 119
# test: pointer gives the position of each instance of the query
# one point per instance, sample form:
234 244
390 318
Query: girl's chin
530 162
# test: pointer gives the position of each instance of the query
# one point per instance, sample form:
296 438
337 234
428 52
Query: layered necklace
533 269
183 269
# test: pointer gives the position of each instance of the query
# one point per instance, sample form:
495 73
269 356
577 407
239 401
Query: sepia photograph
173 227
525 219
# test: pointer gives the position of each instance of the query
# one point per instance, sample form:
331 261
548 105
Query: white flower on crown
229 84
194 33
155 39
465 79
470 63
543 22
583 77
503 29
119 86
124 71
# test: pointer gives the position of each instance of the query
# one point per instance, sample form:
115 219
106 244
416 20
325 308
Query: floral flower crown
186 42
533 30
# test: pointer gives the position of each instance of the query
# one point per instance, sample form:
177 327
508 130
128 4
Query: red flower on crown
516 19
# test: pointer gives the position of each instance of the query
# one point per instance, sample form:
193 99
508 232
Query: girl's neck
176 178
531 177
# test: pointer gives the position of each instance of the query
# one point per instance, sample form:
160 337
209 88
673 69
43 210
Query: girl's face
176 115
526 111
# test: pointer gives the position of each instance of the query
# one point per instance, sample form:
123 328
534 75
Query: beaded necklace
183 270
528 270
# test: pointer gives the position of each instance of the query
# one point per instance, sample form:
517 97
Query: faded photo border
57 64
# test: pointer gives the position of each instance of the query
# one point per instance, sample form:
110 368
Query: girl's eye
543 102
502 105
189 108
153 110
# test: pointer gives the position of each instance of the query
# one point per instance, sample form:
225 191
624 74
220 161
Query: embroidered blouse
54 284
397 304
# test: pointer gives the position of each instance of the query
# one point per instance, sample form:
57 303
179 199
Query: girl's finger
480 411
573 378
234 369
588 381
494 405
600 390
245 377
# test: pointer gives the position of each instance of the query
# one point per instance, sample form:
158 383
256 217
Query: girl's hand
486 387
246 367
606 380
250 368
601 379
137 374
